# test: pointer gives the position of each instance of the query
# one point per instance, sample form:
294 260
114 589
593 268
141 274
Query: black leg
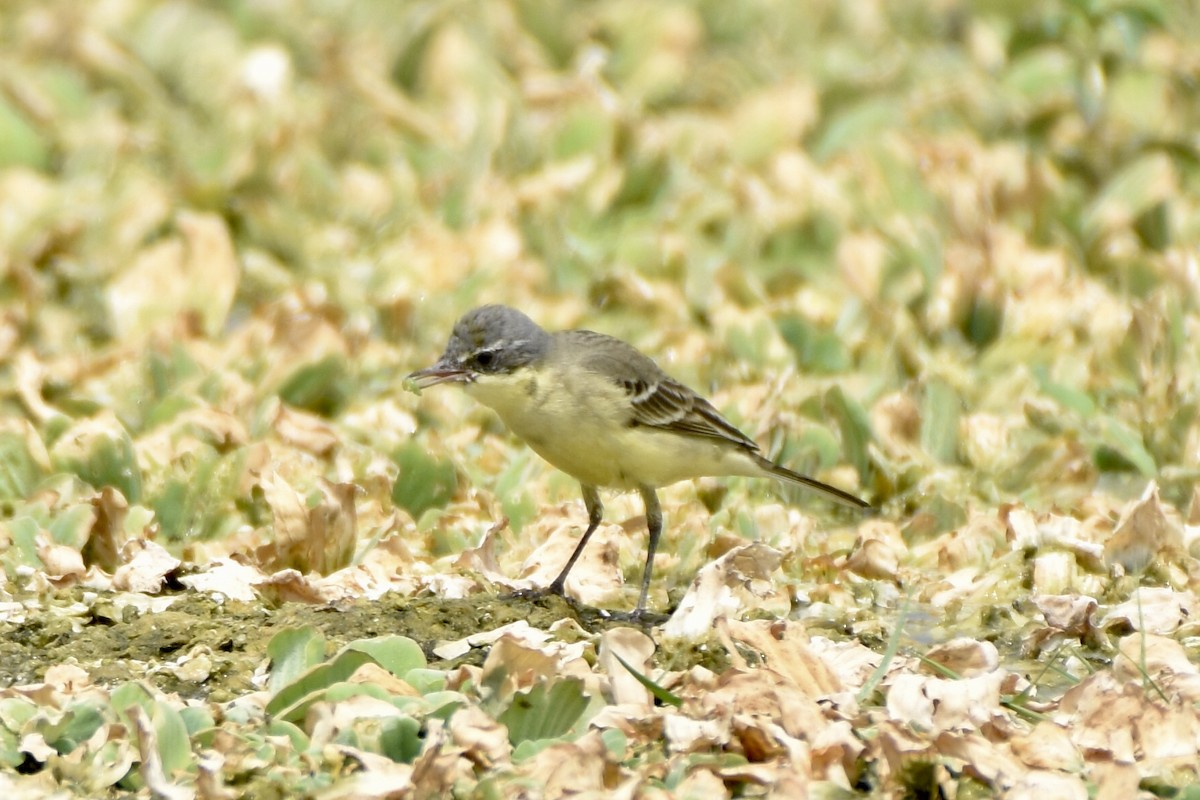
591 499
654 524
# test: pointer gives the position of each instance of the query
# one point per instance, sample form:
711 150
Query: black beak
440 373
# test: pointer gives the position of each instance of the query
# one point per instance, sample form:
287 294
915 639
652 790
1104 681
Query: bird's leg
654 522
591 499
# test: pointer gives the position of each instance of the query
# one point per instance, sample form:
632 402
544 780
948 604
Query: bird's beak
440 372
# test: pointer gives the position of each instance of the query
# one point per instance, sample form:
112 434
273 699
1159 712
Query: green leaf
544 714
174 745
616 742
816 447
1067 397
855 427
940 410
76 725
660 694
19 472
1041 76
397 654
1125 442
278 727
938 516
856 125
73 526
196 719
100 452
323 387
15 712
20 142
425 680
292 652
346 690
195 499
515 503
129 694
1134 190
292 701
22 552
442 704
400 739
816 349
424 482
11 755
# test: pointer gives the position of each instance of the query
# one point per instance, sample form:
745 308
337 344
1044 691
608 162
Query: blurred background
943 254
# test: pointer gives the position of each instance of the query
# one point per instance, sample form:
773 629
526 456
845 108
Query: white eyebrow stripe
500 345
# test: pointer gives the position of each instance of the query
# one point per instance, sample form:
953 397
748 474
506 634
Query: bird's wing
657 400
670 405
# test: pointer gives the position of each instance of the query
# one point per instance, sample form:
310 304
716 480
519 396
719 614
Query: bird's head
489 340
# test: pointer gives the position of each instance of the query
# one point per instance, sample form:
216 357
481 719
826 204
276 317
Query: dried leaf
1144 533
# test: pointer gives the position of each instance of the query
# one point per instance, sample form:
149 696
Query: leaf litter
940 257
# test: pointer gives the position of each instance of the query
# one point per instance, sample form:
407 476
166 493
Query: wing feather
657 400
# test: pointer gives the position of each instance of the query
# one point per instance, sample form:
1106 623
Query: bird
601 411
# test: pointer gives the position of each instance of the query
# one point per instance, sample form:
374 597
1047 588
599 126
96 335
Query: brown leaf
759 697
334 527
226 578
1115 780
1168 734
1154 657
482 559
61 562
375 675
29 376
107 535
1153 609
874 559
305 431
179 281
566 769
1101 714
785 648
984 759
636 649
938 704
288 585
965 657
482 739
596 578
145 569
720 587
513 665
1047 746
320 539
1069 613
1144 533
440 765
288 549
702 781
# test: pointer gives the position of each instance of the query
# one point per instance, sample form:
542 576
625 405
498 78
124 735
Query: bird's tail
831 492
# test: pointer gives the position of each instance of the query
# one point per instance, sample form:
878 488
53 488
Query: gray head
487 340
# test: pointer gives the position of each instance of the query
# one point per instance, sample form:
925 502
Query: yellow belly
577 422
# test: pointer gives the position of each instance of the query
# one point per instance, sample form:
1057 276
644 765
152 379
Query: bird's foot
534 594
525 594
642 617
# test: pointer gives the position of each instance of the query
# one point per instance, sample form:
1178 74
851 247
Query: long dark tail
831 492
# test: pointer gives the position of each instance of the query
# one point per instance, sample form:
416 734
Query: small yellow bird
602 412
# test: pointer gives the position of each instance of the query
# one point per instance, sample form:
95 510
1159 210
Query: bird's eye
485 358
